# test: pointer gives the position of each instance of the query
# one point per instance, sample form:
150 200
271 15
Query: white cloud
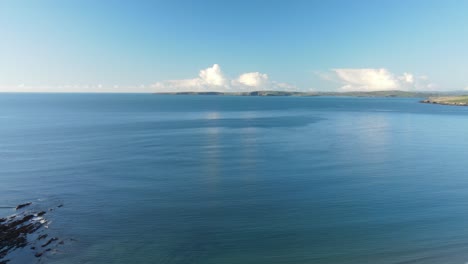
368 79
407 77
212 79
213 76
252 79
209 78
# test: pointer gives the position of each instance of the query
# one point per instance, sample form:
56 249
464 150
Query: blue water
211 179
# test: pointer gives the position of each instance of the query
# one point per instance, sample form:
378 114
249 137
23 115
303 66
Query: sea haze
224 179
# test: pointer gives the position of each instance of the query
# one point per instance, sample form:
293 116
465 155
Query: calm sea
230 180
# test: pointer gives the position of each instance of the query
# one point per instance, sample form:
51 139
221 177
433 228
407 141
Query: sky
212 45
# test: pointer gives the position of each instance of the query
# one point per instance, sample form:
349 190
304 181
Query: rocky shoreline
26 230
428 101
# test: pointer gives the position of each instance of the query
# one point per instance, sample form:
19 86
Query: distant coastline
456 98
395 93
461 100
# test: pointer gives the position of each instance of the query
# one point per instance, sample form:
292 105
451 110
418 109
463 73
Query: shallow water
213 179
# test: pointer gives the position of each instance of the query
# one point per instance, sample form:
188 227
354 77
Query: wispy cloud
369 79
213 79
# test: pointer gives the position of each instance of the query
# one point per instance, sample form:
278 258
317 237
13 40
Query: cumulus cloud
212 79
252 79
368 79
209 78
213 76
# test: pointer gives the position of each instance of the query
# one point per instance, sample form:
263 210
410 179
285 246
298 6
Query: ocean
142 178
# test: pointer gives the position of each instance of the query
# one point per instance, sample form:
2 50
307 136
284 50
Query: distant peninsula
461 100
395 93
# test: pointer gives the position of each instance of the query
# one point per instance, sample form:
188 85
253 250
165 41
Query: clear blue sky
320 45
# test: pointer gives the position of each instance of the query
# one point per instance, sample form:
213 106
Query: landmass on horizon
461 100
392 93
457 98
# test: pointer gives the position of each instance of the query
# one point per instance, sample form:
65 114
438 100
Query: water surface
220 179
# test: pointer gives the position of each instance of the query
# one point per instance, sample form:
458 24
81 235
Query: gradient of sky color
142 46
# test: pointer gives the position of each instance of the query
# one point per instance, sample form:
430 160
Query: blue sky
144 46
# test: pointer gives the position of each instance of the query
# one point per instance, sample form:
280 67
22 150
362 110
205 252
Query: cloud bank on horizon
212 79
369 79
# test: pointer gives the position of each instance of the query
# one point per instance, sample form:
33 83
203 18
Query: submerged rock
50 241
23 205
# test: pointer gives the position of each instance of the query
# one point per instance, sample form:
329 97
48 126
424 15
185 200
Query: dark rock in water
23 205
13 233
50 241
41 213
19 231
